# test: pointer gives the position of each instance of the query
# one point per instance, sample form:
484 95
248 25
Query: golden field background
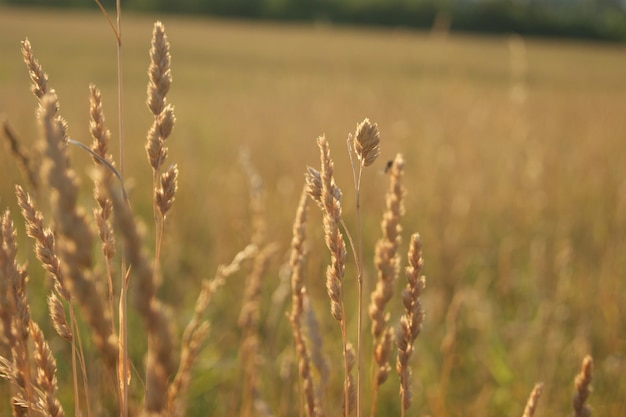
515 182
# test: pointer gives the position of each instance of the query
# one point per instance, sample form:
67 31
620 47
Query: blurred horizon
603 20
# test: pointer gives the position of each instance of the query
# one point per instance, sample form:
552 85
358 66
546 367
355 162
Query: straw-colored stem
359 264
583 389
198 328
329 201
531 404
74 365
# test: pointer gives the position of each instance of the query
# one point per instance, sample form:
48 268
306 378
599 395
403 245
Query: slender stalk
123 304
74 375
123 354
359 264
360 303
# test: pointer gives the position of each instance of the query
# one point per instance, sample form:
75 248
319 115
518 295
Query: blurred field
520 200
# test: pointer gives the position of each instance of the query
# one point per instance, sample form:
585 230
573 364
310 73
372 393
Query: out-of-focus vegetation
515 157
595 19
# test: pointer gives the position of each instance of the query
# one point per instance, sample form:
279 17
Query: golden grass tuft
65 251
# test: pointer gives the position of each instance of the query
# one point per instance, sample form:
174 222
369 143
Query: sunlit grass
521 206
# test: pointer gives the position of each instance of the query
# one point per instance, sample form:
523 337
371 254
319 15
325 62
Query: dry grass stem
531 404
316 349
298 291
20 321
75 239
387 263
329 200
24 158
411 321
366 145
583 389
198 328
159 364
257 197
248 322
349 383
7 291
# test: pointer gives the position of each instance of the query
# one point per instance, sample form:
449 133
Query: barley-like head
367 142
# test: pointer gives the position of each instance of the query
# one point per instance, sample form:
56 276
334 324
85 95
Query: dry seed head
59 321
46 372
411 321
166 193
45 246
165 121
367 142
154 147
100 134
531 404
583 389
314 185
36 73
159 72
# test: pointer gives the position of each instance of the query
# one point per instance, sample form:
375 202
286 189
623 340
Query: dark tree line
595 19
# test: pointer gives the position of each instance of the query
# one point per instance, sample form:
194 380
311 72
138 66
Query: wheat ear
411 321
25 159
